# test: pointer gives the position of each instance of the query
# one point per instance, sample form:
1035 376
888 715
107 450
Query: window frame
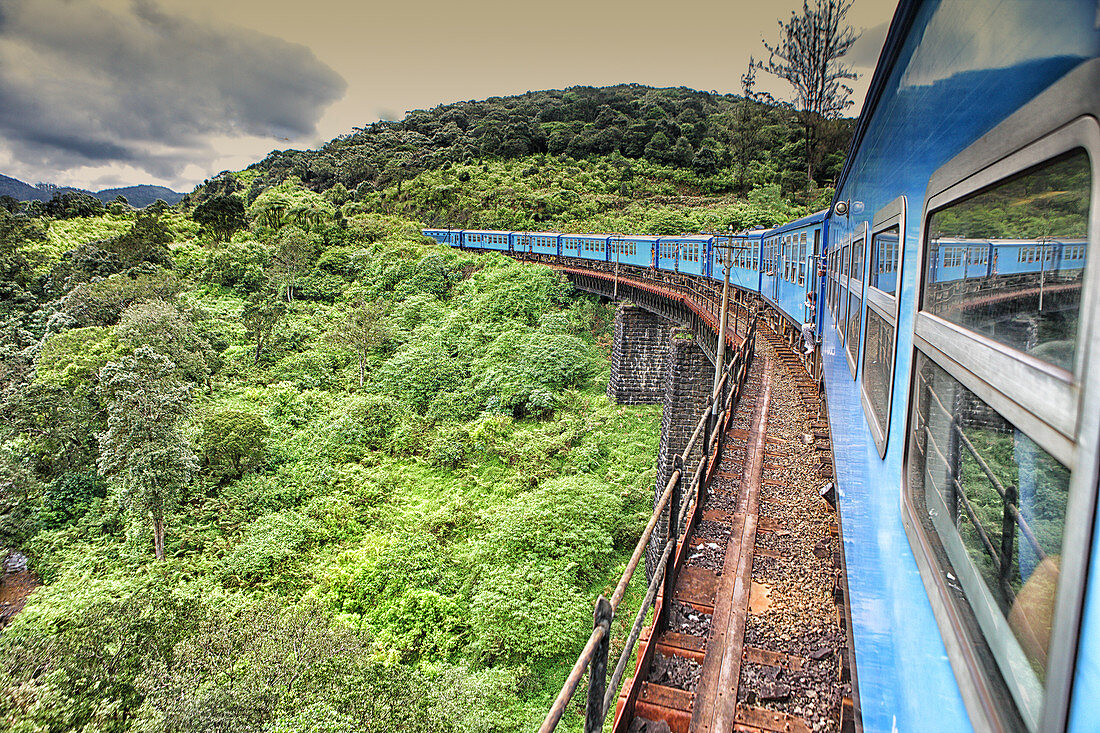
886 307
858 240
1057 409
844 255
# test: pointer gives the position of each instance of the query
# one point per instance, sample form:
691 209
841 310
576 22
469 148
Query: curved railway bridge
744 624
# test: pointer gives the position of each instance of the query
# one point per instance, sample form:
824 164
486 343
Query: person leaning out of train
808 336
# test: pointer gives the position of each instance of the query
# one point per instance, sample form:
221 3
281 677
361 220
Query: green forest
281 463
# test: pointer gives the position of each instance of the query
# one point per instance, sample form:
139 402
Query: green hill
389 481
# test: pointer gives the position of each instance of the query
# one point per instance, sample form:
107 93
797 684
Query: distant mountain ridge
138 196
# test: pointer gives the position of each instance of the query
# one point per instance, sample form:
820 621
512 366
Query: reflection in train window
884 260
1029 296
994 504
855 304
878 365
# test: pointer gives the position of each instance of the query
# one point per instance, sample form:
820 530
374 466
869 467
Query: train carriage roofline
810 219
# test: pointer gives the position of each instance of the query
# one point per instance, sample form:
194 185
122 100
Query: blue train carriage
686 253
791 253
965 422
488 239
586 246
632 249
451 237
546 243
744 254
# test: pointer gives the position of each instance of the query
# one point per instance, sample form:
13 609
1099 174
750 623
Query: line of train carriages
780 263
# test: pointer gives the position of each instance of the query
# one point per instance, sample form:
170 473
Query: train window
1032 307
832 283
994 503
1000 463
802 261
855 305
882 315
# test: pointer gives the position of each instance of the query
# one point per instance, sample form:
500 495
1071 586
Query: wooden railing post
597 672
1008 534
673 537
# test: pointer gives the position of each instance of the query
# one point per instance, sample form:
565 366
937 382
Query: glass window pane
878 365
884 260
1025 290
857 260
994 505
855 304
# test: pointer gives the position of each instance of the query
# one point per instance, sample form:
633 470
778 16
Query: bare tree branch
807 56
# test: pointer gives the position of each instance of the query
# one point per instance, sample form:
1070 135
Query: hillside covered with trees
283 464
730 144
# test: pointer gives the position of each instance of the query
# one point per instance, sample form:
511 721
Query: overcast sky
100 93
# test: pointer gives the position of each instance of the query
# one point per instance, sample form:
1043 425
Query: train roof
815 218
884 67
689 237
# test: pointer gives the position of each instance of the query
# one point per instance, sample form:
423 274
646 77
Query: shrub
527 613
101 303
69 497
418 374
232 442
365 422
566 523
555 361
267 543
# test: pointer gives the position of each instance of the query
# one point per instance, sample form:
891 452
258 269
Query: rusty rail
596 650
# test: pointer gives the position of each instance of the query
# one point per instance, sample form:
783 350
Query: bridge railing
710 430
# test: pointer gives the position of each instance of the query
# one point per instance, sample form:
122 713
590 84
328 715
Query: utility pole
617 244
724 258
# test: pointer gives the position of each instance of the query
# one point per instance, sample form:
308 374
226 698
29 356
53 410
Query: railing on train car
602 692
1011 517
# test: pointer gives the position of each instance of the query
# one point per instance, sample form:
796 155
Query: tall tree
221 215
161 326
362 328
748 123
261 312
295 251
807 56
144 452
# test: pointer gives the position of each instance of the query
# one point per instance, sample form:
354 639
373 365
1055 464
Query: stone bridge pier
653 361
639 357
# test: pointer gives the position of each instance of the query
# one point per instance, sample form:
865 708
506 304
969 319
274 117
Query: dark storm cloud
84 83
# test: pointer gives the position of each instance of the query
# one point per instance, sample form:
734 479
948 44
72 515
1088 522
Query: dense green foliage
722 143
383 475
394 514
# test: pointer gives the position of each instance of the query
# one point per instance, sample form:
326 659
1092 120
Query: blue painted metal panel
688 254
586 246
488 239
536 242
962 68
636 250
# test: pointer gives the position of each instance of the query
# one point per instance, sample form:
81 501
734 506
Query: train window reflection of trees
995 504
878 362
1026 290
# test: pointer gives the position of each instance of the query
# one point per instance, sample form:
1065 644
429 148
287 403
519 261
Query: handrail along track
711 427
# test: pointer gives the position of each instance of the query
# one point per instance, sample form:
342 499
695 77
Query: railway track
755 639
